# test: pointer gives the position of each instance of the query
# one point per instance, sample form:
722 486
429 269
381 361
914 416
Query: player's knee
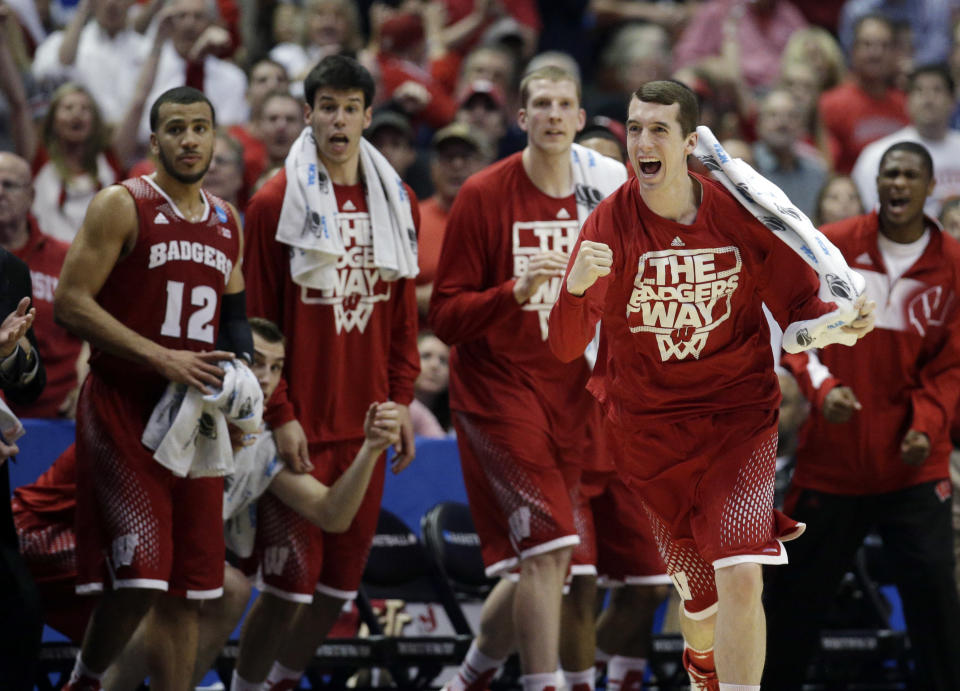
635 598
236 591
740 583
580 599
547 565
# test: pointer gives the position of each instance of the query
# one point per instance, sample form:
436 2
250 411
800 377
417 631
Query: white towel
308 217
10 426
256 467
188 430
595 177
768 204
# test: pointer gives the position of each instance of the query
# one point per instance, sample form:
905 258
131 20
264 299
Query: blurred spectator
405 73
494 64
739 148
557 58
71 160
950 217
28 19
608 137
21 236
225 175
459 151
391 133
281 121
326 27
719 107
672 16
929 104
482 107
753 32
265 77
865 107
635 54
188 59
928 21
819 50
837 200
780 155
801 80
104 56
430 408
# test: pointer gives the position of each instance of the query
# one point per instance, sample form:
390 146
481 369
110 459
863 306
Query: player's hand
291 443
864 322
15 326
541 268
382 425
239 438
197 369
840 404
405 447
594 260
213 39
915 447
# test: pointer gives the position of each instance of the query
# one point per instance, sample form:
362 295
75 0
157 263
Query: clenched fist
594 260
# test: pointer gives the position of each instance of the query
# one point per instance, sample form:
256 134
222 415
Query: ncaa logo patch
221 214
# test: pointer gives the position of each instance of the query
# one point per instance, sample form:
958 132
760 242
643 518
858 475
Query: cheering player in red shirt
151 280
677 270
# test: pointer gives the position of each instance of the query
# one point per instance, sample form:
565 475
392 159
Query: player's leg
578 638
916 530
290 551
218 619
625 632
494 643
741 628
344 556
536 610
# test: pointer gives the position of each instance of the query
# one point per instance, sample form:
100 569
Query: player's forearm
571 327
459 316
83 317
71 35
336 512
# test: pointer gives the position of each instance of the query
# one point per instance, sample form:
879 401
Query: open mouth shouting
339 142
898 204
649 166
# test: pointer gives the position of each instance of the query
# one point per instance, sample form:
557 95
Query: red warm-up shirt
59 349
854 118
681 309
500 363
905 373
345 349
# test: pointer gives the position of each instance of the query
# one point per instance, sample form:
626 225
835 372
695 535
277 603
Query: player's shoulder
271 193
851 233
499 175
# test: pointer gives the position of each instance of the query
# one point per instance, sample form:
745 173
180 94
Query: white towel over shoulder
308 217
188 430
768 204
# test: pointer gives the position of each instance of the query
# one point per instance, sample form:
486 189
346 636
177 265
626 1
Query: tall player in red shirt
525 426
151 281
677 270
347 346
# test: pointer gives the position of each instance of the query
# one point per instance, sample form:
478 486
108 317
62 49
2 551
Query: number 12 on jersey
200 322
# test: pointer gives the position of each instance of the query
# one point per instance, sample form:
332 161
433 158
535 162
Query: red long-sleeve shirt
500 364
681 309
346 349
905 373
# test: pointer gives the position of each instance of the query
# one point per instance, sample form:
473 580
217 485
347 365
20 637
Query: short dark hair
666 92
551 73
339 72
182 95
939 69
267 330
911 148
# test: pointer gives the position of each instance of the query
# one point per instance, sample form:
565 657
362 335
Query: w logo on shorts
274 559
123 549
520 525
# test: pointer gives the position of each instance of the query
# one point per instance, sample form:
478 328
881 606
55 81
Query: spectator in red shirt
458 153
20 235
866 107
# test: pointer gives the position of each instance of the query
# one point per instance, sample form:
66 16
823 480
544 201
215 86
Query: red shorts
48 547
296 557
616 539
139 525
707 487
519 483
